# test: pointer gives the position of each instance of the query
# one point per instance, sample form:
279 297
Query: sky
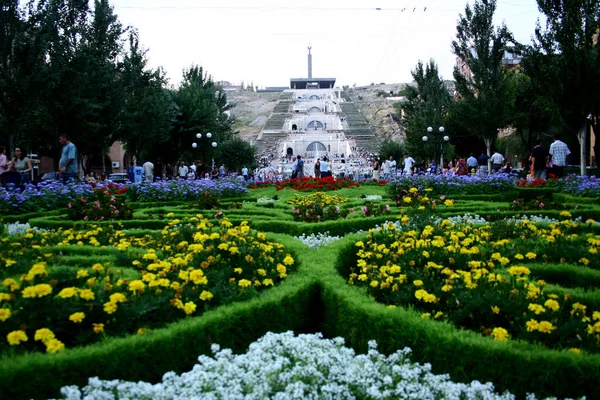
264 42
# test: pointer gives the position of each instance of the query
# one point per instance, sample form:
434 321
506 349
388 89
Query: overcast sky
265 41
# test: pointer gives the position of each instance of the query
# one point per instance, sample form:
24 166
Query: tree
568 56
484 102
235 154
426 104
392 148
145 119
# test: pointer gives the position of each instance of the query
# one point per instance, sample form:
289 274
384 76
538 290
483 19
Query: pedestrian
376 168
472 163
409 162
317 169
182 171
559 152
324 168
482 161
385 169
138 173
130 176
300 167
433 168
245 173
169 171
393 166
22 164
462 167
497 161
148 172
68 159
4 163
539 160
222 171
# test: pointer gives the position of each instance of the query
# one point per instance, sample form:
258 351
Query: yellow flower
82 273
118 298
565 214
575 350
136 286
546 327
68 292
532 325
41 290
426 315
407 200
9 262
519 270
238 270
552 304
16 337
282 270
413 190
449 203
189 307
536 308
418 283
142 331
519 256
43 335
244 283
110 307
98 328
374 284
495 309
77 317
447 288
268 282
531 256
98 267
500 334
206 295
234 250
54 346
584 261
288 260
5 314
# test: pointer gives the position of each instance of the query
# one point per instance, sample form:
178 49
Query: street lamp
213 144
439 141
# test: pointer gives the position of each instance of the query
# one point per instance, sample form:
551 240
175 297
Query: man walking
482 161
408 164
539 159
472 163
68 159
299 167
148 171
497 160
559 151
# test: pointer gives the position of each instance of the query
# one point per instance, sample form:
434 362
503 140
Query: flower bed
189 268
309 184
477 278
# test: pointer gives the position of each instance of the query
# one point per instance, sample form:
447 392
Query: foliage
309 184
375 209
190 268
484 102
477 278
207 201
318 207
425 106
392 148
106 203
566 51
235 154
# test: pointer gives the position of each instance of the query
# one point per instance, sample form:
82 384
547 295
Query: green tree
392 148
235 154
484 102
425 106
147 112
200 108
566 57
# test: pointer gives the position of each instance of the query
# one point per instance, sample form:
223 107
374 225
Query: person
497 161
462 167
169 171
559 151
148 172
539 160
138 173
68 159
385 169
89 178
299 167
507 169
408 164
317 170
472 163
4 163
324 167
342 170
130 176
182 171
22 164
376 168
433 168
482 161
294 170
245 173
392 166
222 171
158 170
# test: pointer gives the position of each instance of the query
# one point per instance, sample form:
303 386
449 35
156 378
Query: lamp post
437 139
213 144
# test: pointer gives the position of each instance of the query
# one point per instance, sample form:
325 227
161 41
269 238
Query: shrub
106 203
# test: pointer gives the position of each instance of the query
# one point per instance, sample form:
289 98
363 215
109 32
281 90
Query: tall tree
426 104
568 55
147 111
484 102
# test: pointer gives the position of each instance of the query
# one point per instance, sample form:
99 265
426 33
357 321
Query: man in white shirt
392 166
472 163
182 171
385 168
148 171
245 173
559 151
497 160
408 164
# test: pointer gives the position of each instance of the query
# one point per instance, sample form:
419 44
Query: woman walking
22 164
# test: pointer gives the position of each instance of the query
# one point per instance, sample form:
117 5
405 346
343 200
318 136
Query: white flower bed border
283 366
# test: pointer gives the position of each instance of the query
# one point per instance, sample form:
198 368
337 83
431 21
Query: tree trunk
488 146
582 137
